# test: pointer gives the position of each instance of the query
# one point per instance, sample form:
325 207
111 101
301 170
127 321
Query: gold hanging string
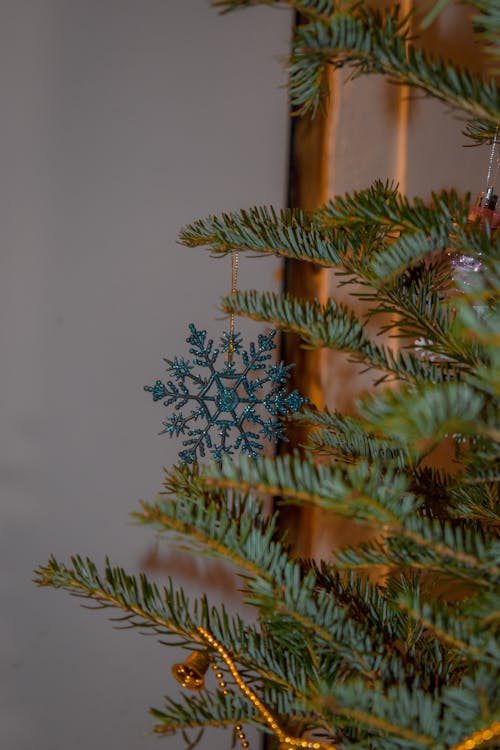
489 181
288 742
235 262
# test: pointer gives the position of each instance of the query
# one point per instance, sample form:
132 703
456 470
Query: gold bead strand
288 742
219 676
241 736
235 263
479 738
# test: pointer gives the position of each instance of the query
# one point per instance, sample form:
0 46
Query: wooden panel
310 165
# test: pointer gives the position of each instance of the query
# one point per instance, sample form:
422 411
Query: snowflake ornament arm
229 399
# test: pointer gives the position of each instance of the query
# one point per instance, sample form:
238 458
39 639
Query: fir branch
424 416
370 41
436 485
290 596
214 709
376 236
443 625
478 499
290 233
417 312
207 709
407 251
382 204
433 13
473 553
345 224
481 131
451 715
486 23
266 715
367 492
487 26
465 551
230 526
426 545
417 720
366 601
353 716
363 493
169 613
166 612
277 584
227 6
210 529
334 326
346 437
320 9
350 448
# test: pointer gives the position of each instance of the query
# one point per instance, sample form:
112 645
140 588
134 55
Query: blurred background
122 120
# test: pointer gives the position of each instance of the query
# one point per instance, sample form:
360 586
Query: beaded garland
287 742
474 741
479 738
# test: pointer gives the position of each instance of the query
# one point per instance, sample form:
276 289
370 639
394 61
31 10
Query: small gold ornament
191 673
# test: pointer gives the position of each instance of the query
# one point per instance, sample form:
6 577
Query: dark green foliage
366 40
411 661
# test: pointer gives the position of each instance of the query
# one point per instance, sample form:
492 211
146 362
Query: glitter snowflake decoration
227 401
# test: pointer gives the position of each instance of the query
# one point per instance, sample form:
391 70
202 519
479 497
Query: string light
287 742
479 738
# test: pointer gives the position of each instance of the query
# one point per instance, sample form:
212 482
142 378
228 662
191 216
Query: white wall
121 121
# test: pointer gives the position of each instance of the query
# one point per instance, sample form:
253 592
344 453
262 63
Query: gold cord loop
235 262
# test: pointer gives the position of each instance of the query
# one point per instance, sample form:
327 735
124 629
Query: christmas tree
391 643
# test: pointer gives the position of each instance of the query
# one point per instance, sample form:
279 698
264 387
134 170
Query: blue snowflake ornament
235 407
